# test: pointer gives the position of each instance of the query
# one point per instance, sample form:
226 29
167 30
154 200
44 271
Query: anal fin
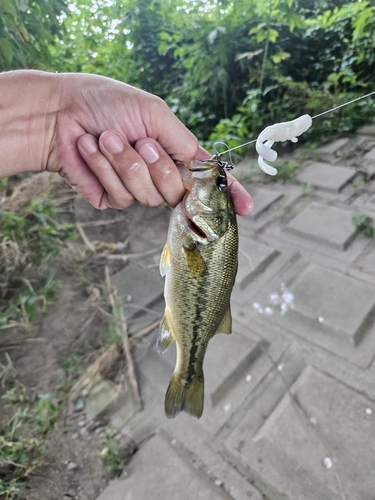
226 323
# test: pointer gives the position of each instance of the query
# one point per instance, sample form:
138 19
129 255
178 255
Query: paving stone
157 471
332 147
326 177
227 359
366 261
328 225
189 438
370 155
139 287
254 257
315 332
367 130
263 199
337 303
103 398
289 450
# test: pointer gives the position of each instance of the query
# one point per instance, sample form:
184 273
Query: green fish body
199 262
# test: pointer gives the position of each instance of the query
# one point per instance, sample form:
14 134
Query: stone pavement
290 395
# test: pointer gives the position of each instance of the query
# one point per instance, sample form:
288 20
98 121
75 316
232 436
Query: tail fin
187 398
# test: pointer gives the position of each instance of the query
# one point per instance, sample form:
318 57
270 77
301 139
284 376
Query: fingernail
149 153
114 144
88 144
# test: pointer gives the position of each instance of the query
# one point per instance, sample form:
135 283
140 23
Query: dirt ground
74 330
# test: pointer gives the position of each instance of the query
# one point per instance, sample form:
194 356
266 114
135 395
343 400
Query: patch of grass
285 171
117 450
29 239
364 224
22 440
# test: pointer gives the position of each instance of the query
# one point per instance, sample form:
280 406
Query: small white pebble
328 462
219 482
227 407
72 466
313 420
368 411
260 311
280 367
173 442
129 298
321 319
284 308
248 378
288 298
256 305
268 311
274 298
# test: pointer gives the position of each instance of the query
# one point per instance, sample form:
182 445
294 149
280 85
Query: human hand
105 164
133 160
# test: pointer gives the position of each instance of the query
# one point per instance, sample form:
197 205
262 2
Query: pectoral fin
195 262
165 337
226 323
165 260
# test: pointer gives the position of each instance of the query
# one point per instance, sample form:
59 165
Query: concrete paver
319 294
332 147
263 200
157 471
300 450
289 405
331 226
327 177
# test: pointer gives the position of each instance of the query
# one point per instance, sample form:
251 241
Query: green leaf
10 7
272 35
7 50
281 56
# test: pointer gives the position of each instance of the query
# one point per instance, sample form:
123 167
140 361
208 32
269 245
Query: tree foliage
27 29
233 65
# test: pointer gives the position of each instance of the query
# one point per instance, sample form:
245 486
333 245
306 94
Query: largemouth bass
199 262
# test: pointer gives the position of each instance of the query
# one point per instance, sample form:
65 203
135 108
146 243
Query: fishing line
312 118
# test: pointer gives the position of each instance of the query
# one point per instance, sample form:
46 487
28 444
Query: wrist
29 101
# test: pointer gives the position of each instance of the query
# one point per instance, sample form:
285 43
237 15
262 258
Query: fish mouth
196 229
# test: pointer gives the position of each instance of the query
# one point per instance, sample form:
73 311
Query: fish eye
221 182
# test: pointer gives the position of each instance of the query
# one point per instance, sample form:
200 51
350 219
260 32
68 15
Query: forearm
29 101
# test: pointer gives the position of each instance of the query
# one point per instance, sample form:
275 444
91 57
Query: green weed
364 224
117 450
22 447
29 239
285 171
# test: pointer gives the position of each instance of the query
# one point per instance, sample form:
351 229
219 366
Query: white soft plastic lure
279 132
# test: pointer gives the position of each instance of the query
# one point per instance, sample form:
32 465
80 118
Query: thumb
164 126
